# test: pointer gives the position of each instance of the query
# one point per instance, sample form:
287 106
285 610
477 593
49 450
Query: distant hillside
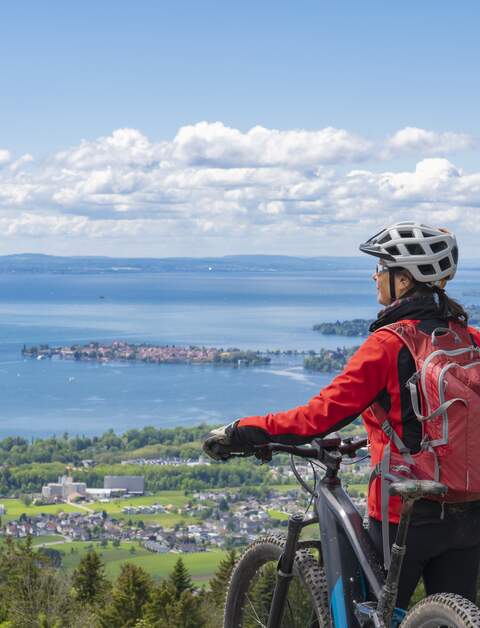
35 263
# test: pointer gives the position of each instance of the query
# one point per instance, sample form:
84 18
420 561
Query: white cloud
413 139
21 161
5 156
261 187
216 144
122 147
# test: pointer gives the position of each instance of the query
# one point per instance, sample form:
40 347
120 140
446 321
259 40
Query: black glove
223 443
232 440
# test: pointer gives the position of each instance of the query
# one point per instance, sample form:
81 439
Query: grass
284 488
360 488
166 520
174 498
277 514
46 539
201 564
177 499
15 507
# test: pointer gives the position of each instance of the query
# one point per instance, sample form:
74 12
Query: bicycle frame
355 577
359 592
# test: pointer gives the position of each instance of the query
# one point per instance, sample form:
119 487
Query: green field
201 565
361 488
277 514
15 507
48 539
176 499
173 498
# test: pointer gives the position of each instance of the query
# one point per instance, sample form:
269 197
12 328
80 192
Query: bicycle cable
357 460
314 494
300 480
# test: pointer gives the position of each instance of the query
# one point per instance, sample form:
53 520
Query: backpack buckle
413 379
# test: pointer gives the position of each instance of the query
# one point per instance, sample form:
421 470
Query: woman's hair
448 307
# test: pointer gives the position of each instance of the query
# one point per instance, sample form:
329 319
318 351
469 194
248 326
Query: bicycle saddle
414 489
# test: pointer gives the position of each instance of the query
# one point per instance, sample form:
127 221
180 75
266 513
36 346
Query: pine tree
221 578
187 612
32 593
130 596
160 607
180 578
165 610
89 578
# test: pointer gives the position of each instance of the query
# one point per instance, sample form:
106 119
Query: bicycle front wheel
252 584
443 610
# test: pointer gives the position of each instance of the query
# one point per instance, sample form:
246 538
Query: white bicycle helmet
429 254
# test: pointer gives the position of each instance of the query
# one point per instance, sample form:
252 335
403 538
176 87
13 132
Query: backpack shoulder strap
410 336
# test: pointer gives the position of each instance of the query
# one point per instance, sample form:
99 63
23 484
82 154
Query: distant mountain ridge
40 263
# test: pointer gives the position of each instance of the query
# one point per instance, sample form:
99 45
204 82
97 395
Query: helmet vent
426 269
438 246
415 249
428 253
444 263
393 250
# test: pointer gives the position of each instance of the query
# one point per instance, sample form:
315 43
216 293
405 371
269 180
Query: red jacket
373 373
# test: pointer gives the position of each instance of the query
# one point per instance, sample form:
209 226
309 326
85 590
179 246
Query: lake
245 310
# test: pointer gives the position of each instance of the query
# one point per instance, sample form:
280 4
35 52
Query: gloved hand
223 443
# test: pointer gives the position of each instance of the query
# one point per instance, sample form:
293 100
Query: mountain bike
337 581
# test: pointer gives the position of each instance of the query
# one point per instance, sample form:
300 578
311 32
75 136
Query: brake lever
263 454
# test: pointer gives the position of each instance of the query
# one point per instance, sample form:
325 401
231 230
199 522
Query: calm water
257 311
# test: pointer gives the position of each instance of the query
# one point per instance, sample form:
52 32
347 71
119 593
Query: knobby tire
443 609
239 609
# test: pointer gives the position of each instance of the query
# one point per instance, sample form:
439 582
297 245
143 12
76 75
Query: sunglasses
380 268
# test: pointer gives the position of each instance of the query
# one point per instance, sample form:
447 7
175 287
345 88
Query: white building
65 489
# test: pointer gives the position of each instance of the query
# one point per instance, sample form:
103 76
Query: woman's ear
405 280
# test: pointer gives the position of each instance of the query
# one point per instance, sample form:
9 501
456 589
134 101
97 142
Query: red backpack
445 393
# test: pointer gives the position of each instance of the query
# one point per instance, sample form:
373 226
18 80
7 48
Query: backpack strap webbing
382 470
386 477
411 384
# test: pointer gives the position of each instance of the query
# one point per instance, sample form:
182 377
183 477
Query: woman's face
403 283
381 278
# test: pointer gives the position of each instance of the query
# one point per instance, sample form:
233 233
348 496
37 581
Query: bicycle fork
285 572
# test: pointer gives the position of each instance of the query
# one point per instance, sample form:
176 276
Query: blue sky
81 71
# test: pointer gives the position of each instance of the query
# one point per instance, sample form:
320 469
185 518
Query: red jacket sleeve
475 334
338 404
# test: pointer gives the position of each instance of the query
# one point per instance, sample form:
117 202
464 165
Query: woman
415 262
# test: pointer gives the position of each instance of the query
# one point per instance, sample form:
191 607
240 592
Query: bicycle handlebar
319 446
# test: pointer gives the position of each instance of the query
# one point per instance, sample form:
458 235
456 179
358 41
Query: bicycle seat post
409 491
388 598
